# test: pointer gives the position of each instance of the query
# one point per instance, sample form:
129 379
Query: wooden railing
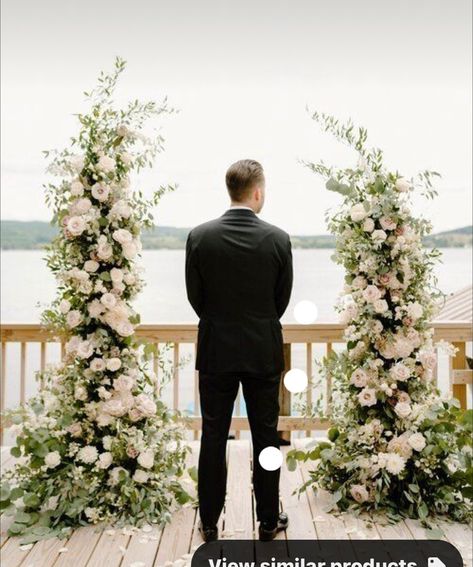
307 337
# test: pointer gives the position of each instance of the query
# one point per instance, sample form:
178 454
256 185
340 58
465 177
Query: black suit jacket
239 281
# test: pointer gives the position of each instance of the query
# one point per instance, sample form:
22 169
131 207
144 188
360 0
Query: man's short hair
241 177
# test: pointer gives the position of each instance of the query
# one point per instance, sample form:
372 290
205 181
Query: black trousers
217 397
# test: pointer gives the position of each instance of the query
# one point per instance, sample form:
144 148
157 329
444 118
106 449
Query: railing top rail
187 332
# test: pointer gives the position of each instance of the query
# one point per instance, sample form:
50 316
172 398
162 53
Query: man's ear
258 193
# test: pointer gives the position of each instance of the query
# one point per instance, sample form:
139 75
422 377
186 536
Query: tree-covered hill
31 235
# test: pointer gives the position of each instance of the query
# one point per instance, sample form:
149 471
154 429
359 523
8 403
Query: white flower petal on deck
26 546
351 530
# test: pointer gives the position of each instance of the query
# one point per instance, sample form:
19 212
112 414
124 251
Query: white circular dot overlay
295 380
305 312
270 458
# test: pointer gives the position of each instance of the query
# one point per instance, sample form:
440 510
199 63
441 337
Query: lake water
27 287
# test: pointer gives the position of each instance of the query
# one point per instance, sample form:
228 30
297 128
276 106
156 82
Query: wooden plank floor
175 543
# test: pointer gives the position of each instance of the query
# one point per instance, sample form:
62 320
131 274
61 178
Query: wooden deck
93 547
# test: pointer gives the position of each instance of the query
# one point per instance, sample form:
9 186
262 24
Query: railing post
284 393
3 386
458 362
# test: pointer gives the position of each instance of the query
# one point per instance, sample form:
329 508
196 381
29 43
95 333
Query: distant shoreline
35 235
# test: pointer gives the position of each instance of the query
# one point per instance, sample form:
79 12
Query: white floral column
396 444
97 444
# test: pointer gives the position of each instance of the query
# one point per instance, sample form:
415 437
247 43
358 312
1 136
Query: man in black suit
239 281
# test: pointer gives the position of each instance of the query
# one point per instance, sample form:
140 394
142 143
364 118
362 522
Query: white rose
402 185
359 282
368 225
387 223
80 393
97 365
129 278
122 235
104 250
371 293
145 405
103 393
95 308
359 493
358 212
113 364
380 306
91 266
105 460
428 359
415 310
402 409
114 407
378 236
107 442
77 189
76 226
64 306
85 349
367 397
73 344
130 250
399 445
108 300
116 275
106 164
121 209
146 459
141 476
417 441
80 275
74 318
123 383
81 206
52 459
100 192
359 378
400 372
88 454
125 328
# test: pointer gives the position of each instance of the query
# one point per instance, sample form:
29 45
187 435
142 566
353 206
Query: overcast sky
242 73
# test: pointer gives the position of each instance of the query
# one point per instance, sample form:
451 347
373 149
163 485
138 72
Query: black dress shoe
208 533
268 532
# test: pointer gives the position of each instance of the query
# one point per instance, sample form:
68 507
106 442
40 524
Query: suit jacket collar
234 212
